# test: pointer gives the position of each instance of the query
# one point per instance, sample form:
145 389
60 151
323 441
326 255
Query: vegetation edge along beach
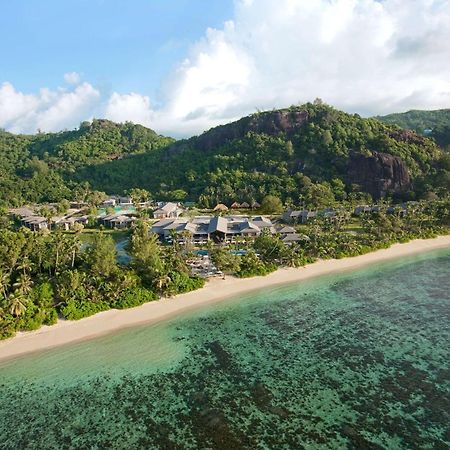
65 332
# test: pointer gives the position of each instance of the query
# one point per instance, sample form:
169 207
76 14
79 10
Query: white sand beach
215 290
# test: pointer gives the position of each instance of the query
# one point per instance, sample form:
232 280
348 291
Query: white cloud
72 78
361 55
48 110
366 56
129 107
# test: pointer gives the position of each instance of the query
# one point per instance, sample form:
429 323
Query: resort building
36 223
218 229
168 210
66 223
294 238
29 217
220 207
110 202
364 209
400 210
24 211
117 220
303 216
124 201
121 221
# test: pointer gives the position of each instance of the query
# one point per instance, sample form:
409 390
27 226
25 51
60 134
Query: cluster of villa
119 212
401 210
305 215
125 217
123 214
202 229
30 218
236 205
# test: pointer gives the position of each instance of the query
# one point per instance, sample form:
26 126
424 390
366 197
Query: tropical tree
271 205
23 284
25 266
138 196
17 304
4 283
101 256
146 251
162 282
224 260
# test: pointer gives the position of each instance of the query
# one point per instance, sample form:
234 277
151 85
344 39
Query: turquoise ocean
356 360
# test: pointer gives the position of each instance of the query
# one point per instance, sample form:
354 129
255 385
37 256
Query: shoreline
215 290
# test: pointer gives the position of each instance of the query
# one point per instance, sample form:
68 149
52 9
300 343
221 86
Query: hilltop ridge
434 124
312 152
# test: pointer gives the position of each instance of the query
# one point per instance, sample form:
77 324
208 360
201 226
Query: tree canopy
304 161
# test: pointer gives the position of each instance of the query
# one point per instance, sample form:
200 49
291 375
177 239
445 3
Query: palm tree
38 249
4 283
23 285
162 281
290 258
186 237
73 246
17 304
61 250
26 265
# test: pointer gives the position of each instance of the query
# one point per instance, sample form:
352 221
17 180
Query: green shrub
7 327
252 266
51 317
182 283
74 310
134 297
32 323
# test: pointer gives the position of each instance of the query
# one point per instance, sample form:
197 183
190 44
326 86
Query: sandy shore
215 290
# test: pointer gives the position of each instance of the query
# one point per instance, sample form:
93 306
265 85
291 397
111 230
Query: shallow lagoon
356 360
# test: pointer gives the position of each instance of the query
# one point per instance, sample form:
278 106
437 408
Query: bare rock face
407 136
379 174
272 123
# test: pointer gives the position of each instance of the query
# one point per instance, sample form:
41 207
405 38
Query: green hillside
312 154
300 154
435 124
41 167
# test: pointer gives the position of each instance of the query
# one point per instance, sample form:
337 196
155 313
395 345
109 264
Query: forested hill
435 124
41 167
309 154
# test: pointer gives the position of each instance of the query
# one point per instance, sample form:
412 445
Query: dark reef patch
357 363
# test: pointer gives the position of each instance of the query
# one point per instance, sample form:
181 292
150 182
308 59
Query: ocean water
358 360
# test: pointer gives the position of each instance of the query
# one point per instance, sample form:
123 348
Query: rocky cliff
271 123
314 140
379 174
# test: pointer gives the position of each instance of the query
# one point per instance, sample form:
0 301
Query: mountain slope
41 167
303 152
435 124
311 154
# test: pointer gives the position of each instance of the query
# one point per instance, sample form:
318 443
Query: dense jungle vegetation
307 164
43 275
41 168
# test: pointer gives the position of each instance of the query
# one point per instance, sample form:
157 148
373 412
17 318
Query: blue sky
122 45
183 66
